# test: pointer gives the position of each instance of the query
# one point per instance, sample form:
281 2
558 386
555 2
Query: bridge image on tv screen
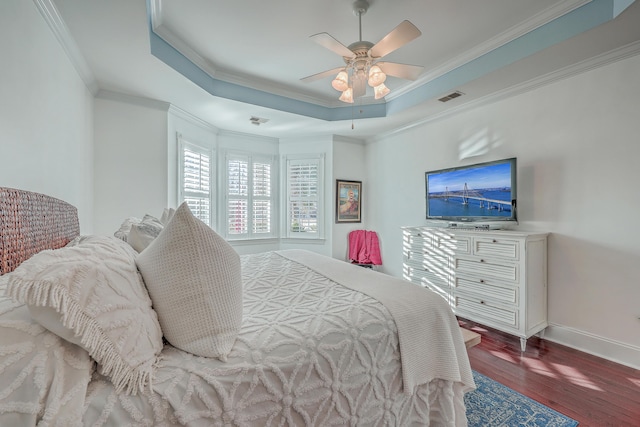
475 192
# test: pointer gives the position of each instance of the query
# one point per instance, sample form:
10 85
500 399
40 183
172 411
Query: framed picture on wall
348 201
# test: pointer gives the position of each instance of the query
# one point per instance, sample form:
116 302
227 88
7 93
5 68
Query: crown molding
165 33
133 100
155 12
548 15
246 136
348 140
615 55
185 115
57 25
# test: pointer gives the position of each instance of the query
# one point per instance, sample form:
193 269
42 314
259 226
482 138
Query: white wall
578 149
131 173
46 113
348 164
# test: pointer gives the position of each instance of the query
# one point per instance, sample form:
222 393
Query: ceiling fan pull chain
352 126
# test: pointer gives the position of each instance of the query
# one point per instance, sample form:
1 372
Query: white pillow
125 228
92 294
193 277
144 232
167 214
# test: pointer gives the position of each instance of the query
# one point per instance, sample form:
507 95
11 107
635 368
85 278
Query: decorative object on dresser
496 278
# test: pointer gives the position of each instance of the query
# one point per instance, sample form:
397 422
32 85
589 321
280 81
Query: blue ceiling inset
586 17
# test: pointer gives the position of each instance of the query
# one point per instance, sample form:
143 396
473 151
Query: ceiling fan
362 59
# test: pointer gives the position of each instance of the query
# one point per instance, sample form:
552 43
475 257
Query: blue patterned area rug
495 405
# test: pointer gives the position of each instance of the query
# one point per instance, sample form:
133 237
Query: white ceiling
264 46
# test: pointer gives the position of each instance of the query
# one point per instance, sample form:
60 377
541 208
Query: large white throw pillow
91 293
193 277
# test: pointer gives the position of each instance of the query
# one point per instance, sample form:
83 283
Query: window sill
261 241
314 241
276 240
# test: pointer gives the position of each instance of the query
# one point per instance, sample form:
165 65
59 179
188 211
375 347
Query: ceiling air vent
257 120
451 96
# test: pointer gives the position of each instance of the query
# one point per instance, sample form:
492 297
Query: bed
96 333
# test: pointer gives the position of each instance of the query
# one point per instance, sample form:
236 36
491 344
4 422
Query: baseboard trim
612 350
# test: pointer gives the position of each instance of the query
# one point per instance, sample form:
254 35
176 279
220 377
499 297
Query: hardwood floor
593 391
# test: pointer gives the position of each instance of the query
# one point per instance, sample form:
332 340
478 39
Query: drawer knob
495 241
481 260
481 281
481 302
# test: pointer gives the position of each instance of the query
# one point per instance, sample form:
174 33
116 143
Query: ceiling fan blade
324 39
322 75
403 71
399 36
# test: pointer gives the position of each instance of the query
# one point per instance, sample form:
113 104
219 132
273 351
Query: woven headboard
31 222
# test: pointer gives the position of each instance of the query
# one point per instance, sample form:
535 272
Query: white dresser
495 278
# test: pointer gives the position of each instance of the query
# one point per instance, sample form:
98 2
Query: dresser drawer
486 269
435 274
462 245
476 308
496 247
428 258
433 280
416 239
486 289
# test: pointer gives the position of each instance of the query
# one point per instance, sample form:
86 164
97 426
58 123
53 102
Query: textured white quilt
311 352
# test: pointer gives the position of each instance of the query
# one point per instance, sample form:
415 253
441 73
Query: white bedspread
431 344
311 352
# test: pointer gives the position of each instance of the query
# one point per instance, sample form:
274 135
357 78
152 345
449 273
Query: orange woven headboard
31 222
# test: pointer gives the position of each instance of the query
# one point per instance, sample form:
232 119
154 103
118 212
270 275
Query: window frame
183 193
251 160
287 162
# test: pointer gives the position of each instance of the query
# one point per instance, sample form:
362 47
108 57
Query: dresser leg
523 344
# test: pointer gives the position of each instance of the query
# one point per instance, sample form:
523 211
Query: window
304 197
250 201
196 175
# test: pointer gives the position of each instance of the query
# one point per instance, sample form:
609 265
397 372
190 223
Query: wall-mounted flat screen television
481 192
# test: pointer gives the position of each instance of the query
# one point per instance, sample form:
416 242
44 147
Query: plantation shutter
249 196
261 198
238 192
304 197
196 177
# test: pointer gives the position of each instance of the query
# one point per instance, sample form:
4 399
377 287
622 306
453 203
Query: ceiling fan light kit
347 96
361 58
376 76
341 82
381 91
